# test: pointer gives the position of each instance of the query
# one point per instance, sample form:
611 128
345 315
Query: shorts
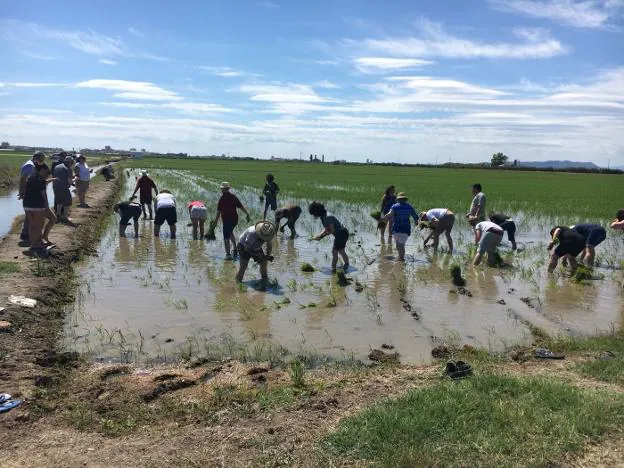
146 199
33 209
228 228
445 224
340 239
167 213
573 248
489 242
400 237
596 236
62 197
199 212
132 212
245 255
82 185
270 202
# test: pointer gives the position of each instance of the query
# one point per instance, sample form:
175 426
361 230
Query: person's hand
269 258
19 196
316 238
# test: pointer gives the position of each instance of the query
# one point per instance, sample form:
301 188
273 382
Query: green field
581 197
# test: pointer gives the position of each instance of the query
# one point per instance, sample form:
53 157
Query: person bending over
291 214
569 244
128 210
198 214
165 205
507 224
332 226
594 235
441 221
250 246
618 222
488 236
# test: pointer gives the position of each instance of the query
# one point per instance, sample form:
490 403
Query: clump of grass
456 276
583 273
9 267
307 268
297 373
492 420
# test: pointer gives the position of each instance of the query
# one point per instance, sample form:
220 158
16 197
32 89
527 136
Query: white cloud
326 85
326 62
376 64
108 62
135 32
133 90
430 83
435 42
577 13
282 93
225 72
34 85
185 107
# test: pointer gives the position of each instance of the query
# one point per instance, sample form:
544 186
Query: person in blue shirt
387 200
400 214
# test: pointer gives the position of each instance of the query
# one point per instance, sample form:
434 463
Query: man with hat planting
144 186
250 246
227 212
400 214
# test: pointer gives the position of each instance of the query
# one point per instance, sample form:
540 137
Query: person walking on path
291 214
477 207
440 220
63 179
128 210
37 208
400 214
570 244
165 205
594 235
618 222
271 189
83 178
388 199
332 226
250 246
198 214
507 224
25 172
227 211
488 236
145 185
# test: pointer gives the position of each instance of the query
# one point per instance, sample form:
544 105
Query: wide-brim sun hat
225 185
401 196
265 230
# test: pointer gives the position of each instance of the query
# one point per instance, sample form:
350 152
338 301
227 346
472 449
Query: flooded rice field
155 299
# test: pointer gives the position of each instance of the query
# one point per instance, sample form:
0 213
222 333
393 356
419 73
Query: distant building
108 148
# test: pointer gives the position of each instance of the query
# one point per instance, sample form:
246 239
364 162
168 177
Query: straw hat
265 230
401 196
225 185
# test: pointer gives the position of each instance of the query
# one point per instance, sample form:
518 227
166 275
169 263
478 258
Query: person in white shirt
488 236
250 246
165 211
440 220
83 176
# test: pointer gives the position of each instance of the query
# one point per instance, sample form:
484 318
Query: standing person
507 224
83 177
291 214
400 214
618 222
477 207
165 211
250 246
37 209
331 226
441 220
198 214
25 172
388 199
488 236
227 212
63 180
594 234
128 210
271 189
569 244
145 185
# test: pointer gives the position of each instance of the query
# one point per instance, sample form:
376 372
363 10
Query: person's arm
554 259
388 216
154 187
415 216
328 230
22 186
136 189
555 239
479 207
277 190
617 225
478 235
244 210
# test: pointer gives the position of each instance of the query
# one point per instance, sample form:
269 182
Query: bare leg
401 250
135 221
226 243
195 222
291 226
573 263
156 230
201 228
590 254
172 230
35 226
436 241
345 257
334 259
263 270
49 215
143 208
149 207
449 241
390 224
241 269
233 241
477 259
122 230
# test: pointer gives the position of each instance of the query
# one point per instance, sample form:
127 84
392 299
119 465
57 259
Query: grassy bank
583 196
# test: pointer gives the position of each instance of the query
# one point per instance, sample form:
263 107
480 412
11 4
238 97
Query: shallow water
151 298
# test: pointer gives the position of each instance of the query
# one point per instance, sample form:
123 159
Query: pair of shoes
345 267
228 256
24 243
543 353
458 370
7 403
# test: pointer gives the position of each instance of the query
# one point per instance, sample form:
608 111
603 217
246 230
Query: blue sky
407 81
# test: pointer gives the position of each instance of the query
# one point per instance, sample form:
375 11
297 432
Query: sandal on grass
4 397
543 353
9 405
458 370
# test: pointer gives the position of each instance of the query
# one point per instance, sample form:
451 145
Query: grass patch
490 420
605 370
9 267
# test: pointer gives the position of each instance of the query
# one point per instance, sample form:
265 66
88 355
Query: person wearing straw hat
145 185
250 246
400 214
227 211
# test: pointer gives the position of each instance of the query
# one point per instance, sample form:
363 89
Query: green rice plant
297 373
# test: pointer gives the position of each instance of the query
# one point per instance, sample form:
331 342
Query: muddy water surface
156 298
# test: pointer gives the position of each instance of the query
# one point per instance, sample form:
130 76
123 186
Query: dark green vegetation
581 196
490 420
8 268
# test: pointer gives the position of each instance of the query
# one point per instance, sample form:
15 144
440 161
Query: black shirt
33 193
498 218
570 242
124 205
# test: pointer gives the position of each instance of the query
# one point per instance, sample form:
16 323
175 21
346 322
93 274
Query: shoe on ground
228 257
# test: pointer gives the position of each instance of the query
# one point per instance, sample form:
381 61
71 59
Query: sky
405 81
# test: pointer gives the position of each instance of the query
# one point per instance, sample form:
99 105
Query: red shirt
227 206
145 185
196 203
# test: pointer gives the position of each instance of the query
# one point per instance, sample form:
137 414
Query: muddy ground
227 413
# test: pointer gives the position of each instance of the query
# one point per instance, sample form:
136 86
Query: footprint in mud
528 301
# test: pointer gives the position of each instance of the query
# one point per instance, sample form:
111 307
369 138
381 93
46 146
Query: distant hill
558 164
